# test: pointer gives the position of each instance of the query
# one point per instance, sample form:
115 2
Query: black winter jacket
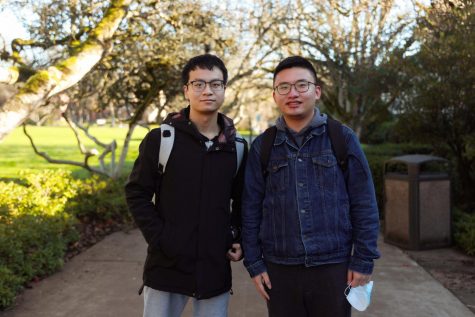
188 230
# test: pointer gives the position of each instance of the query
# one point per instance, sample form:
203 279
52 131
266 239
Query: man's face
296 105
209 99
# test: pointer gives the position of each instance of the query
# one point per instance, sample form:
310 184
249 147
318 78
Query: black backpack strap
268 138
337 140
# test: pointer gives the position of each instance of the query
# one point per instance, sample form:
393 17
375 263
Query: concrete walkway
103 281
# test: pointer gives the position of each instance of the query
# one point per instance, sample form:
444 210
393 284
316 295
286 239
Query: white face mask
359 297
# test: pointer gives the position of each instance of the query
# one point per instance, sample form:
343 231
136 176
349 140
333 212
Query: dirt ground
453 269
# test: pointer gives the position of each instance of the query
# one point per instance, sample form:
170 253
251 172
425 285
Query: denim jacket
305 210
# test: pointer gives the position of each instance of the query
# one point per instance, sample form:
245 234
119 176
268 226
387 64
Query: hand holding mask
359 297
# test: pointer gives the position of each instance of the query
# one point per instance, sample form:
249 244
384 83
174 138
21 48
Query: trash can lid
416 159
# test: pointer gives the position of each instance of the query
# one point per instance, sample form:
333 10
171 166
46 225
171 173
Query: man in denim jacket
309 227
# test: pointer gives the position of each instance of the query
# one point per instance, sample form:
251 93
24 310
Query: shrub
39 220
100 199
34 229
44 193
9 286
464 231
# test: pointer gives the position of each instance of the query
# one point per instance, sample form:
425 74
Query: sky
10 27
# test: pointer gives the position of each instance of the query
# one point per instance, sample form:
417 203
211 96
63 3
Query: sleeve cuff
256 268
361 266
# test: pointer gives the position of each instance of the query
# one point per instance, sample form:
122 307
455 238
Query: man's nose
207 90
293 91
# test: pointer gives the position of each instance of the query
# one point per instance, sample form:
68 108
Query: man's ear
185 92
318 92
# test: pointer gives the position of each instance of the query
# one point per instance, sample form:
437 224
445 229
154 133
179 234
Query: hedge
39 216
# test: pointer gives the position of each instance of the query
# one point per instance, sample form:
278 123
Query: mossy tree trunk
59 77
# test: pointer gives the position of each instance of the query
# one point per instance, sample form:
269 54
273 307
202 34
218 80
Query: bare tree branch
74 126
85 164
63 75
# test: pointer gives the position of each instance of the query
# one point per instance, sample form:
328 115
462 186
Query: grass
59 143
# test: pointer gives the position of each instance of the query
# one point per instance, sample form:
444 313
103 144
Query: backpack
168 138
337 140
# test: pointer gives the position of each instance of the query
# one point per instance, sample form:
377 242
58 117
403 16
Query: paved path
103 281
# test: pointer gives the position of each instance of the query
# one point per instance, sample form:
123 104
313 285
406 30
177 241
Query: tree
157 43
58 77
152 46
439 108
157 38
259 48
351 43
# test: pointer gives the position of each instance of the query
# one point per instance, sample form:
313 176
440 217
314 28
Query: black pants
299 291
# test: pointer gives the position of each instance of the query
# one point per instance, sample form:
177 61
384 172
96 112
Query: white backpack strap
239 150
166 144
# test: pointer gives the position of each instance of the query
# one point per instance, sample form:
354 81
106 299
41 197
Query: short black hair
205 61
296 61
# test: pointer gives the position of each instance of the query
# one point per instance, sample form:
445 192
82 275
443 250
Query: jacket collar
317 126
181 120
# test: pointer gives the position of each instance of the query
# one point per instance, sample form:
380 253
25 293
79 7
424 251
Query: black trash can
417 202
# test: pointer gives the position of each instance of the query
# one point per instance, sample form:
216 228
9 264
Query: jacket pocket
278 175
168 241
157 258
325 170
165 256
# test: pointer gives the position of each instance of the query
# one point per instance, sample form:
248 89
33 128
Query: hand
235 253
259 281
357 279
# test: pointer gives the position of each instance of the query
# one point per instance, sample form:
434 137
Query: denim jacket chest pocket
325 169
278 175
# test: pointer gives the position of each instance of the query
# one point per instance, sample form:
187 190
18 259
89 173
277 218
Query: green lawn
59 143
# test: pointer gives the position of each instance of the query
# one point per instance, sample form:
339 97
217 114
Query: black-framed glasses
200 85
300 86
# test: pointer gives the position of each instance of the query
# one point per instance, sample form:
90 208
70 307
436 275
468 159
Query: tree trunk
112 114
57 78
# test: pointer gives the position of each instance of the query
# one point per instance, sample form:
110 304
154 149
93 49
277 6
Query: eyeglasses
300 86
200 85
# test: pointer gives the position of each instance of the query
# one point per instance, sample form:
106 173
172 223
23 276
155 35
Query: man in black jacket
191 232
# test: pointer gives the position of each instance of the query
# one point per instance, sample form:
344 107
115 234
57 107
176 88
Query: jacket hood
318 120
181 120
